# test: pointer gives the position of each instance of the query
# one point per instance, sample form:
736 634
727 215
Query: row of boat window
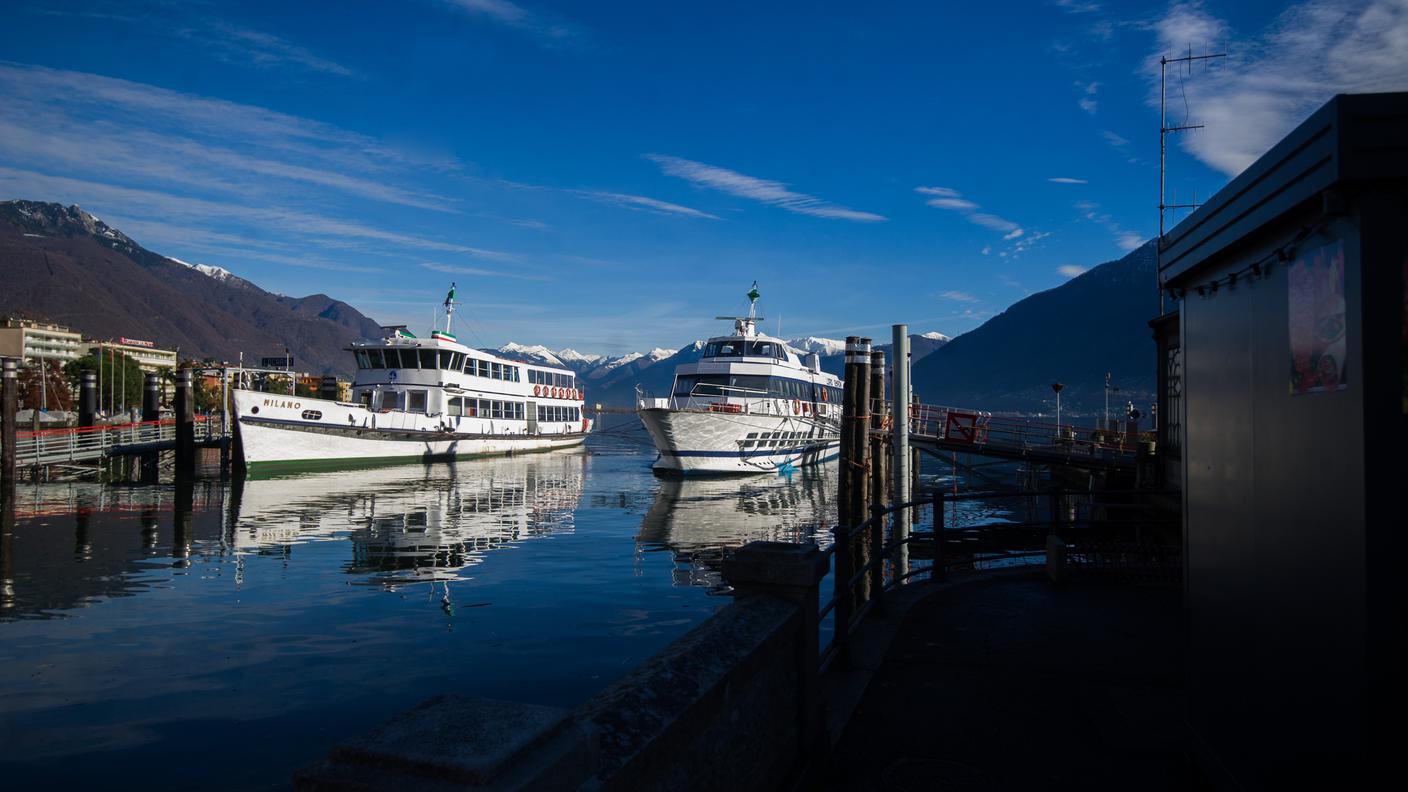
754 385
772 439
514 411
446 360
485 408
550 414
551 378
740 348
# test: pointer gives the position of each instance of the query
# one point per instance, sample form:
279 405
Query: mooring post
185 425
879 474
87 397
860 468
9 407
151 411
794 573
328 388
848 414
938 572
181 520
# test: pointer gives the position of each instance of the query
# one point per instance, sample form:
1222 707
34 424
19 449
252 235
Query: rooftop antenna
1165 130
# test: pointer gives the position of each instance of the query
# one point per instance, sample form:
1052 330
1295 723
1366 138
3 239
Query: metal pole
9 405
902 398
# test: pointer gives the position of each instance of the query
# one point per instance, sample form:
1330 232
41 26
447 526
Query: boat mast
449 308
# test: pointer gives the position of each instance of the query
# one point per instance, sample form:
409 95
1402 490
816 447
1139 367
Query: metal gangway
92 443
939 430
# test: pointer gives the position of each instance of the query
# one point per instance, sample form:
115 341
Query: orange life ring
806 408
796 407
537 390
557 393
823 394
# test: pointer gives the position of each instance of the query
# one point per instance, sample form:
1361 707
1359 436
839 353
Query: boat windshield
752 385
738 347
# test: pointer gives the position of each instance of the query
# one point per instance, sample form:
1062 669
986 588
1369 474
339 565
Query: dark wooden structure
1292 341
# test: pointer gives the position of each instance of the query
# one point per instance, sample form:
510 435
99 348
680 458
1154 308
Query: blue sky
610 176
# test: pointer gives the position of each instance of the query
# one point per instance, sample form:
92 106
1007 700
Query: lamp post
1056 386
1108 390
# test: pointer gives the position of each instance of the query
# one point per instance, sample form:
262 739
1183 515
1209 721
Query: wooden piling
9 407
185 425
151 411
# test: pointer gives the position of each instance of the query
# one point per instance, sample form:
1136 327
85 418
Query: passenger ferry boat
750 405
417 399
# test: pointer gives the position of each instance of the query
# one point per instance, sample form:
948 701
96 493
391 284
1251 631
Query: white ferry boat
750 405
417 399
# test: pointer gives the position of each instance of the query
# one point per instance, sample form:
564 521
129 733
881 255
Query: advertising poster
1315 294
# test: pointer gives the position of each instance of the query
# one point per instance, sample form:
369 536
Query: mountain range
64 265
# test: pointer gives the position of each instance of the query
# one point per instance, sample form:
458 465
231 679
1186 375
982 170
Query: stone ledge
455 741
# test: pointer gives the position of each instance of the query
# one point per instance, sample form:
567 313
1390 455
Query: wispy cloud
456 269
765 191
1077 6
958 296
169 207
516 16
1071 270
1120 144
257 48
643 202
1269 83
1087 100
1124 238
1066 180
950 199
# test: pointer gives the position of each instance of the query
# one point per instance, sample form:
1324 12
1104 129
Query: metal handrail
848 621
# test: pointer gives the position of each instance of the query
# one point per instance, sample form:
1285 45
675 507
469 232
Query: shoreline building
1289 405
31 340
144 353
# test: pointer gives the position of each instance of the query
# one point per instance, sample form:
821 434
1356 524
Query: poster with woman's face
1315 293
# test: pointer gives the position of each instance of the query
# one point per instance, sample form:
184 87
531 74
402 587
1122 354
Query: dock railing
89 443
1109 533
978 429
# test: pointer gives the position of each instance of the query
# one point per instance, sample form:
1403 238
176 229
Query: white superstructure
750 405
417 399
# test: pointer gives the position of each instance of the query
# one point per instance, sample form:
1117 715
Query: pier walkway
937 430
92 443
1010 682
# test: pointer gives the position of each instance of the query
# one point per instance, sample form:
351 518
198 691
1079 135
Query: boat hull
714 443
281 438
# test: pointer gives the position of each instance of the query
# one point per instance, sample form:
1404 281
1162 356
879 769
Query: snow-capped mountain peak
660 353
209 270
535 351
824 347
573 356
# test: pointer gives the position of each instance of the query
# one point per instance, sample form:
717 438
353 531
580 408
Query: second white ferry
750 405
417 399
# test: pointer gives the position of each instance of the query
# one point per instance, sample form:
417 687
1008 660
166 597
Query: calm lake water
223 636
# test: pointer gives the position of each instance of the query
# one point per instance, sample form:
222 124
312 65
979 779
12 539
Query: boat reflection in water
415 523
700 521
